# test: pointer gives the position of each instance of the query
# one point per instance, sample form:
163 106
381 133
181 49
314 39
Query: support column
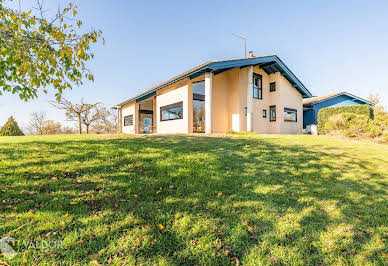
250 100
208 101
119 118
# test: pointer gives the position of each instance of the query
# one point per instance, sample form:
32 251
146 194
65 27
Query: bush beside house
325 113
372 125
11 128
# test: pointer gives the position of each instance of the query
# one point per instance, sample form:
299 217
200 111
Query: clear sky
329 45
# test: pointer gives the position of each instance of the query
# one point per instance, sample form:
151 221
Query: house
312 106
258 94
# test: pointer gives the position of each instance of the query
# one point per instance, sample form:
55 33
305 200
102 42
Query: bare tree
74 112
51 128
37 123
90 117
107 122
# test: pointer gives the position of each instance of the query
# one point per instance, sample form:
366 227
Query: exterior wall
290 98
128 110
170 96
311 117
229 102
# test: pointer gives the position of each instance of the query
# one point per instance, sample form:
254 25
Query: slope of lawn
239 199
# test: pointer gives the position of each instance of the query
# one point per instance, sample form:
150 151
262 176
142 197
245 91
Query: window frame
264 113
259 89
272 86
290 110
130 122
169 106
272 108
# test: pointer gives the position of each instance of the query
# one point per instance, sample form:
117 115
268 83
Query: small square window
272 86
264 113
128 120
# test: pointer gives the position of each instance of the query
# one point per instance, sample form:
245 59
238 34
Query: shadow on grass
246 199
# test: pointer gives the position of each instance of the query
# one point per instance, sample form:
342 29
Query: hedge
325 113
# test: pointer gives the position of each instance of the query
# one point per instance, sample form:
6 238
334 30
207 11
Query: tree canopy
11 128
38 53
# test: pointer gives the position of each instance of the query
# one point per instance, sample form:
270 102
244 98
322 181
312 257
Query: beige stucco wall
290 97
171 96
128 110
230 100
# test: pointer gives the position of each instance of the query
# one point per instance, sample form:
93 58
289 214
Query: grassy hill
248 199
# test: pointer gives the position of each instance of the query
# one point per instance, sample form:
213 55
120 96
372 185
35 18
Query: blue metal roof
270 64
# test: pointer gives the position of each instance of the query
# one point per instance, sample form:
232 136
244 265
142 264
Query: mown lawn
241 199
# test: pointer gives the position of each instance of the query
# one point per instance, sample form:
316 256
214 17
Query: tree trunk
79 124
87 129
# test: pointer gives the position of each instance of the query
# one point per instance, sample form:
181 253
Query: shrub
325 113
11 128
358 126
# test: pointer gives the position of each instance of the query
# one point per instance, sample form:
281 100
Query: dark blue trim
146 96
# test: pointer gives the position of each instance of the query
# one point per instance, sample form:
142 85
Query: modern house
258 94
312 106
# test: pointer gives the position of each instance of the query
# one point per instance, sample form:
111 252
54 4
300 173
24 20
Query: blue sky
330 45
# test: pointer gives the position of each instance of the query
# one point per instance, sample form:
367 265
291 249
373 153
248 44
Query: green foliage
193 200
325 113
37 52
11 128
358 126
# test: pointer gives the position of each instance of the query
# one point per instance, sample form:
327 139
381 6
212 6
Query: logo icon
6 249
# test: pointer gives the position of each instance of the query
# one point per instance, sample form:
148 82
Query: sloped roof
330 96
270 64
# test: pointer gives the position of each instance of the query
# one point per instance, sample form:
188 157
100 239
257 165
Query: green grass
252 199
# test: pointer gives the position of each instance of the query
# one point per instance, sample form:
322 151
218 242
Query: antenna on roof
245 42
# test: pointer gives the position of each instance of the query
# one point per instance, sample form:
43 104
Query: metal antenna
245 42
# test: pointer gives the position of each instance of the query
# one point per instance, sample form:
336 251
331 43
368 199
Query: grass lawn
247 199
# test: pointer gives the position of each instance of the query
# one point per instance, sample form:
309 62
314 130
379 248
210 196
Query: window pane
290 115
172 111
199 88
272 113
198 116
255 92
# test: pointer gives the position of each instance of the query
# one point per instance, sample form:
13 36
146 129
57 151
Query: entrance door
147 125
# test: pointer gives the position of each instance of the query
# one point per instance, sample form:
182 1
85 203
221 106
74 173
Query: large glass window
128 120
199 107
171 112
290 115
257 86
272 113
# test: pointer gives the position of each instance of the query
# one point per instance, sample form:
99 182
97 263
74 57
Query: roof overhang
270 64
340 94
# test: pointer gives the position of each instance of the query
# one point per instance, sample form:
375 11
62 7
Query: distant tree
68 130
37 123
51 128
74 112
90 117
39 52
376 99
11 128
107 122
